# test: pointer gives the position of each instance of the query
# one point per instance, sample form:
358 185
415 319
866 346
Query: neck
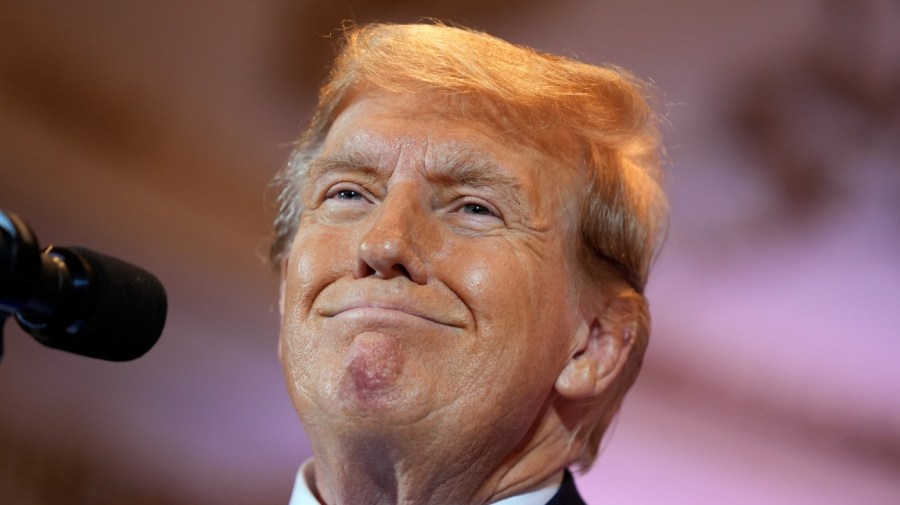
405 466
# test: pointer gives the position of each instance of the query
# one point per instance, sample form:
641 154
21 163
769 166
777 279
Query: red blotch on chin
374 363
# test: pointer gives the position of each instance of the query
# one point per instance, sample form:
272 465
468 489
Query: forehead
438 132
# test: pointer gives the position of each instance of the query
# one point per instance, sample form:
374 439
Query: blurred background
149 131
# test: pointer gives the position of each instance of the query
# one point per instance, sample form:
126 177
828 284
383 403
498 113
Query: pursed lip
361 304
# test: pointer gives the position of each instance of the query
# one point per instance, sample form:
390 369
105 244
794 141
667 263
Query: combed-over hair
603 109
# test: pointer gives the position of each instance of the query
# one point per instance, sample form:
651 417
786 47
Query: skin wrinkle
525 480
455 165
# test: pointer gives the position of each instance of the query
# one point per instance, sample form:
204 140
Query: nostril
402 270
364 270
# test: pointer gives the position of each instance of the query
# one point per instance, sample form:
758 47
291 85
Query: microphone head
120 319
20 262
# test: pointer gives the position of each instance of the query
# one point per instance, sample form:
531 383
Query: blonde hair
603 109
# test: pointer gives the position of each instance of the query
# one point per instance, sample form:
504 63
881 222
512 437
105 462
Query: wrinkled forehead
445 126
527 125
444 134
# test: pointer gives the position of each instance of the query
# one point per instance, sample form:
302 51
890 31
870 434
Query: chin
375 382
380 402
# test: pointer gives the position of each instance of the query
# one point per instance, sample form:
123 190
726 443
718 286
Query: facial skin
429 299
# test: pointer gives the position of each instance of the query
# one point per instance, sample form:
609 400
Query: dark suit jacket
567 494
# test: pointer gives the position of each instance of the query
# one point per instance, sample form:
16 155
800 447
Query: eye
477 209
348 194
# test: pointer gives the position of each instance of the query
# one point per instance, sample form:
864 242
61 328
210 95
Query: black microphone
78 300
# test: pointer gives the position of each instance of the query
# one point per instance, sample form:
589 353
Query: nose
392 244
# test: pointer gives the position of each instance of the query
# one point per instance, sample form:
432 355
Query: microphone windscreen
128 311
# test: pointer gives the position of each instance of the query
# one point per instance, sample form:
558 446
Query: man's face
431 281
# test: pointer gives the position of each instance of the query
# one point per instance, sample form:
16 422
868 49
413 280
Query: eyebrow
457 164
342 159
467 167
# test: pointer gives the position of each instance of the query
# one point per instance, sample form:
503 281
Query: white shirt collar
305 483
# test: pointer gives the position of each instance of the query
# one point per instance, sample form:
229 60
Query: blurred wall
150 131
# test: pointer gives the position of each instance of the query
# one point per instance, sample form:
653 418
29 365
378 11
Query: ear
600 355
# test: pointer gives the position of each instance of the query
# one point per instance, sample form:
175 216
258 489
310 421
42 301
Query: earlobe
597 362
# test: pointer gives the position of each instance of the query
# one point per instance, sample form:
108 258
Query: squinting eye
474 208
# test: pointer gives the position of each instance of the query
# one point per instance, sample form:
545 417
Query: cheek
318 256
503 293
314 263
510 282
522 304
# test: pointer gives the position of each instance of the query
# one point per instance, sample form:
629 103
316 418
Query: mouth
375 310
380 303
366 307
